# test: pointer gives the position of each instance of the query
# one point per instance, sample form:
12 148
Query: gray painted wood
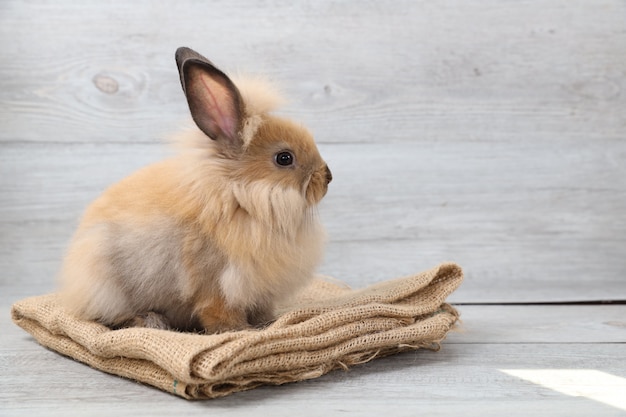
490 133
547 229
462 380
475 71
467 373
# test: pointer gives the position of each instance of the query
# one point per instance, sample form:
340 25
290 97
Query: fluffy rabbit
212 238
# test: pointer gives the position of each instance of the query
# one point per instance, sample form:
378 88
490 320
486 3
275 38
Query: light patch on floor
595 385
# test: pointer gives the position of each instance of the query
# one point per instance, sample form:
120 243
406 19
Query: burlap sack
327 326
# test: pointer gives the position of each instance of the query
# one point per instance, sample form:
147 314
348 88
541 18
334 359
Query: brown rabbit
212 238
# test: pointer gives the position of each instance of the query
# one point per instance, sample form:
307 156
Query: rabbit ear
214 101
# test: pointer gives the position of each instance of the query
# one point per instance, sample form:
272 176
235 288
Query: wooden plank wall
488 133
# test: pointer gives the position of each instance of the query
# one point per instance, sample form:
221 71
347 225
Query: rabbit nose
329 175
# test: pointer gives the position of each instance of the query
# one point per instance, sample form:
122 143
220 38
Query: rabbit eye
284 158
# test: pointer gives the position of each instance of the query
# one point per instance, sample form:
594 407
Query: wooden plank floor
490 133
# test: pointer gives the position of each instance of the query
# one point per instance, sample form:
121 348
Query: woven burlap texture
327 326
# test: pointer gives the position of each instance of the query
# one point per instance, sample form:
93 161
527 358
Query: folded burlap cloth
327 326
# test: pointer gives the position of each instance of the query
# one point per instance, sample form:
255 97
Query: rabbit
212 238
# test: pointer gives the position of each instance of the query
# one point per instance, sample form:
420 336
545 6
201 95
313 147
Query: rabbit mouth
317 187
329 175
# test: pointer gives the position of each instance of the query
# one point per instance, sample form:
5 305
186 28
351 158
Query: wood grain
523 233
466 372
486 70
